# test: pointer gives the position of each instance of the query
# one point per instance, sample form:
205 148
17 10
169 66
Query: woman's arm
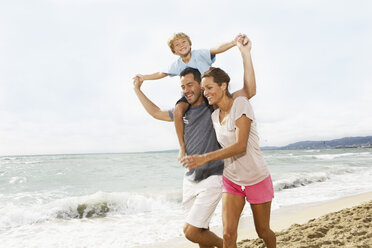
243 126
249 85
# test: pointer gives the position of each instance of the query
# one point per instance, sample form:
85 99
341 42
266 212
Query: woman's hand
193 161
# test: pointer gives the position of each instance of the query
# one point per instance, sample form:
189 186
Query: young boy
201 59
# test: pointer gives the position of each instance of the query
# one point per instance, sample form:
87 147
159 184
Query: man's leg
204 237
200 201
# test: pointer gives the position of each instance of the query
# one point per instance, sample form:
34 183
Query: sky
66 69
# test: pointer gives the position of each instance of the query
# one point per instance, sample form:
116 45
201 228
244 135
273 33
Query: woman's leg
232 206
261 216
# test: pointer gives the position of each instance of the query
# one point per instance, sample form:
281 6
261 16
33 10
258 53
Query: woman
245 174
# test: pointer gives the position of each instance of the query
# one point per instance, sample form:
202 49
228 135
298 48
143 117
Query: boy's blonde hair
177 36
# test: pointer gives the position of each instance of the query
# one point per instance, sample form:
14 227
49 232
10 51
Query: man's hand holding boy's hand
140 76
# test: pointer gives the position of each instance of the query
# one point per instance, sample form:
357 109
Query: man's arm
249 86
149 106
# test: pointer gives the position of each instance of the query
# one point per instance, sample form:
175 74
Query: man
202 187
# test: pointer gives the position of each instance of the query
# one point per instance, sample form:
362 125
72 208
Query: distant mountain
347 142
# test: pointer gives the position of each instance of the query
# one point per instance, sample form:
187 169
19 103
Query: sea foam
100 204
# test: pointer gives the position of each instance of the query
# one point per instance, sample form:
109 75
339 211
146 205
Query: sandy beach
349 227
345 222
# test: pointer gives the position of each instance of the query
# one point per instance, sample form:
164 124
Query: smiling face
181 47
191 90
212 91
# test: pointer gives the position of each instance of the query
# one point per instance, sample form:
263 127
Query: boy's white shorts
200 199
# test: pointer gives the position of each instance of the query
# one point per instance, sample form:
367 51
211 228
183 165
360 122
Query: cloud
66 69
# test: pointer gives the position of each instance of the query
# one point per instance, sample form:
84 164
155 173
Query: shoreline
281 219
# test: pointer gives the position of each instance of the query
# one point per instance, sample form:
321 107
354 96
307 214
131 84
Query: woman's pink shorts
255 194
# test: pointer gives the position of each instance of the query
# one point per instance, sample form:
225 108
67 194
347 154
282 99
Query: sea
134 199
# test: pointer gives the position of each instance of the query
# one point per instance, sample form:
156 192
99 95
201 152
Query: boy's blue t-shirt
201 59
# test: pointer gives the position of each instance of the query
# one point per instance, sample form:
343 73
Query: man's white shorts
200 199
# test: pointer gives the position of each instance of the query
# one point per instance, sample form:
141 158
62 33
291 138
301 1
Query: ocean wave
310 151
8 158
97 205
299 181
330 156
303 179
19 160
17 180
33 162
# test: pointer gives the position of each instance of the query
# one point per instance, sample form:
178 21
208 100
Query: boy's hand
244 44
237 38
137 81
140 76
242 38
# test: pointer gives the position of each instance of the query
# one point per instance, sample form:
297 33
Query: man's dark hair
195 72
